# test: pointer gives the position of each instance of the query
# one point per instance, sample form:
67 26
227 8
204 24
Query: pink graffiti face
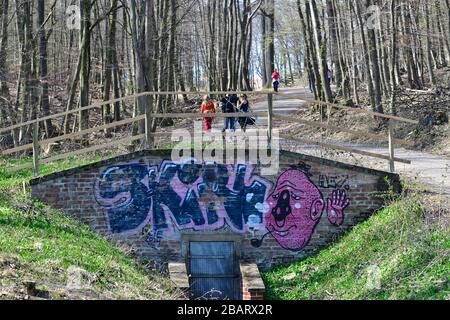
296 206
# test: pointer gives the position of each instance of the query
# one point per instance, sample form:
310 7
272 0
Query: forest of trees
52 60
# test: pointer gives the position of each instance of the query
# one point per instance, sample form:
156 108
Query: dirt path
283 105
427 169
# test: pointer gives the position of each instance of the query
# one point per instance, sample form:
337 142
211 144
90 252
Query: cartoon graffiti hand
336 206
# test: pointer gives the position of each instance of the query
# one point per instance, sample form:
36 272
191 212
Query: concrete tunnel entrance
213 270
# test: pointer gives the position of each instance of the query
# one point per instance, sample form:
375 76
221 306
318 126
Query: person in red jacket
276 80
207 108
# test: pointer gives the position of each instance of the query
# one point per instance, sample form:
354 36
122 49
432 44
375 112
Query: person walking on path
330 75
276 80
229 105
244 107
207 107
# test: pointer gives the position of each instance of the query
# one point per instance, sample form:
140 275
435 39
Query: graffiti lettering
196 196
334 182
200 197
153 238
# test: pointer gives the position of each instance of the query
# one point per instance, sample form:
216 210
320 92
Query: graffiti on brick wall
192 195
295 207
334 182
152 200
153 237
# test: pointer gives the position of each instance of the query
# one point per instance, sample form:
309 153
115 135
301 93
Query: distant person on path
207 107
310 84
244 107
330 75
229 105
276 80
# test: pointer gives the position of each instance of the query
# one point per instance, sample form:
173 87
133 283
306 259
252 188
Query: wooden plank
45 118
391 148
270 116
263 92
354 133
80 152
218 115
148 126
341 107
346 149
73 135
36 149
134 96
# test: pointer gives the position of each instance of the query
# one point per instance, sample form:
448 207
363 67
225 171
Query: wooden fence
148 135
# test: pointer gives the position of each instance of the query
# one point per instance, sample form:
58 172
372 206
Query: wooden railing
147 136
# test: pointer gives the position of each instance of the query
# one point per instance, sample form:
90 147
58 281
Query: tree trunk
393 55
85 48
269 45
3 47
321 48
43 68
428 45
370 87
375 62
110 62
141 102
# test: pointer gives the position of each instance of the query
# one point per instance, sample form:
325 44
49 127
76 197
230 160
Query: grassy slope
40 244
408 241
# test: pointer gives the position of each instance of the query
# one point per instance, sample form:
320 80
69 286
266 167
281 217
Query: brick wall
252 285
145 200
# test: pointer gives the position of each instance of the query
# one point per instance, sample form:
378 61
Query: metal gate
214 271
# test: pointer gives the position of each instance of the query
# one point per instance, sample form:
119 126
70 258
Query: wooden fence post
36 148
270 117
391 147
148 126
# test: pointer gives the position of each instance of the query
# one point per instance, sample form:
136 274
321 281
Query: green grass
407 244
38 243
10 179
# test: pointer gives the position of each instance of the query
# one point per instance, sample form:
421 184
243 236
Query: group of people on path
230 103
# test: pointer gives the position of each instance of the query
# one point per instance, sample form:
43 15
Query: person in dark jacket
229 105
244 107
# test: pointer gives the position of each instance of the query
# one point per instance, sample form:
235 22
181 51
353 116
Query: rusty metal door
214 271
